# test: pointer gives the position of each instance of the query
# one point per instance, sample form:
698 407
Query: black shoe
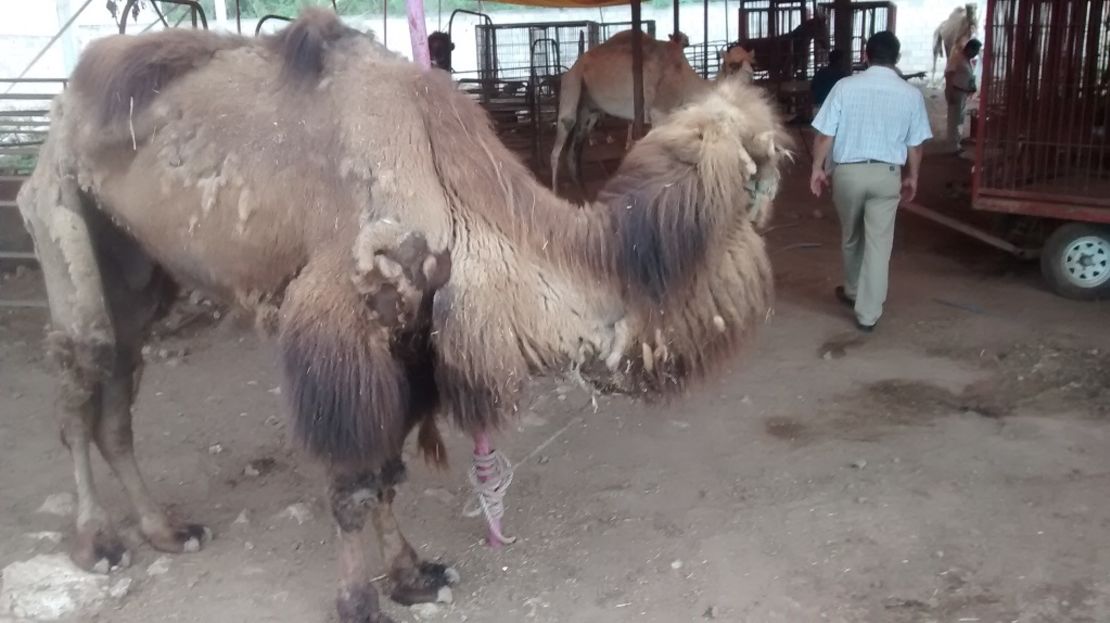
866 328
843 297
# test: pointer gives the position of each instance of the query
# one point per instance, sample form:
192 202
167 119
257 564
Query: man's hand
909 189
818 180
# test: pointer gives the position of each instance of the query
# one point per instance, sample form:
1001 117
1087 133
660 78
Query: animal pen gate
868 18
769 24
1042 149
519 70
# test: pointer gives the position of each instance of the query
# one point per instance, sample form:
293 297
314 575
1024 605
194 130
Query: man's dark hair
836 56
883 48
973 44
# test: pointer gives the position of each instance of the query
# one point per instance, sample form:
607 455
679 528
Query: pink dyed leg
487 468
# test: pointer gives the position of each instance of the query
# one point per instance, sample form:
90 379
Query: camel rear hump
119 76
303 46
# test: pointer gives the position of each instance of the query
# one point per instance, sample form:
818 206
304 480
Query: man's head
836 57
883 48
972 48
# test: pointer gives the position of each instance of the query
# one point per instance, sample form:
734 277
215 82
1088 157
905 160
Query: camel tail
570 93
430 442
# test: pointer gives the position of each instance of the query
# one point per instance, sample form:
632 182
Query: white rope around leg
490 476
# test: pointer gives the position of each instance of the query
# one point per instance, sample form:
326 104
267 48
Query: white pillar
70 47
221 15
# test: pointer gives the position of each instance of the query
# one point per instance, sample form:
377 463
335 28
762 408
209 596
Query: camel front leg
414 581
353 494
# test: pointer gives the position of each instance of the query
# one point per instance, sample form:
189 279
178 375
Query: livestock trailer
1042 150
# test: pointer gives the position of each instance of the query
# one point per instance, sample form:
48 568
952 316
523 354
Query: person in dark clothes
828 76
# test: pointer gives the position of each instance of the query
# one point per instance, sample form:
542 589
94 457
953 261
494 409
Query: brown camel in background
407 262
600 82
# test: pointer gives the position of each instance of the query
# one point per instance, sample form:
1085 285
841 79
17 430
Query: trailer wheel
1076 261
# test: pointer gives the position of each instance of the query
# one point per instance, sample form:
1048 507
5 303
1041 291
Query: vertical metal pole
637 72
842 32
674 28
728 38
418 33
385 23
238 17
705 39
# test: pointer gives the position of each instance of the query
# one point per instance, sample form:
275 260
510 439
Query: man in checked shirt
872 125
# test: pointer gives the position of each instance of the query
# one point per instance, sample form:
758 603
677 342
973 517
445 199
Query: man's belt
889 164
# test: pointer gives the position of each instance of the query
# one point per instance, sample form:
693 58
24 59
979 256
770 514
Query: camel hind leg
137 292
578 143
80 341
99 312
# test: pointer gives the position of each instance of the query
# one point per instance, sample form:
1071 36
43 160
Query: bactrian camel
407 262
955 31
601 82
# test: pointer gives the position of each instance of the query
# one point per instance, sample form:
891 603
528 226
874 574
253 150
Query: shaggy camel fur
956 30
408 263
601 82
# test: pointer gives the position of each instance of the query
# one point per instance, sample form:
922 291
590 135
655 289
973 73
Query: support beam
418 33
842 33
675 27
220 7
637 71
705 38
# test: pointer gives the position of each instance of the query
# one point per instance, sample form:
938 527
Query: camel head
971 12
440 48
687 203
680 39
736 61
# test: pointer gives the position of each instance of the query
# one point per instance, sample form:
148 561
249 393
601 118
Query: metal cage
509 51
770 18
1044 115
868 18
763 20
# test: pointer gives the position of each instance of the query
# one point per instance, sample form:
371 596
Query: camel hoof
360 605
187 539
428 583
100 550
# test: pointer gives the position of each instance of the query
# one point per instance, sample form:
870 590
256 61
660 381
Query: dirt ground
951 466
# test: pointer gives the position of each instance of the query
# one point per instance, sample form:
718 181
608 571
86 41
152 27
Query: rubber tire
1052 263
